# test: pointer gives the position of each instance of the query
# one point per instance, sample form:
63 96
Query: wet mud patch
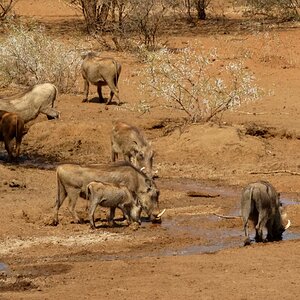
16 284
24 278
33 161
201 223
34 271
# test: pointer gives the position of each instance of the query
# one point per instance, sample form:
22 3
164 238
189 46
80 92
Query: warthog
38 99
100 71
11 126
73 179
113 196
260 204
132 144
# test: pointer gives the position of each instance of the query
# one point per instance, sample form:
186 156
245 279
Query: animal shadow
99 101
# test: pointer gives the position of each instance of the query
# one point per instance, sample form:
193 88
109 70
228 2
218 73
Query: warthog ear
140 154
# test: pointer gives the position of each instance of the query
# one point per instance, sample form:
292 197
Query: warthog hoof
53 223
247 242
156 221
134 226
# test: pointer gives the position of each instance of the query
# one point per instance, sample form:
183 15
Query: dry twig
275 172
227 217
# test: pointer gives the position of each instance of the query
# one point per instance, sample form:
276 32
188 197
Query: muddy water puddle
213 236
191 185
210 238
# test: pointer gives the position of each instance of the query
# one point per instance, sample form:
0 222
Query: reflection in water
4 269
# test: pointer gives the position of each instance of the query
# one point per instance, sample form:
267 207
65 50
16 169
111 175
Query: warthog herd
128 184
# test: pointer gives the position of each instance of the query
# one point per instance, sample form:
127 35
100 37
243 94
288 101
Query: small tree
201 85
201 6
146 18
95 13
274 8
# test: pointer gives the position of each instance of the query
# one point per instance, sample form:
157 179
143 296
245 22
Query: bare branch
275 172
227 217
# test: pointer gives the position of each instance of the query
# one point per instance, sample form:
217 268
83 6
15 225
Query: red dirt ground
193 254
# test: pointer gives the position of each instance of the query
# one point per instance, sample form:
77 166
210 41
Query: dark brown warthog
100 71
113 196
73 179
132 144
260 204
38 99
11 127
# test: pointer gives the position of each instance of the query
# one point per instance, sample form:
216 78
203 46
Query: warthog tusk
287 225
161 213
142 169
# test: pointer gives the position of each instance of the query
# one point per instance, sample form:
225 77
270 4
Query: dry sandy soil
193 254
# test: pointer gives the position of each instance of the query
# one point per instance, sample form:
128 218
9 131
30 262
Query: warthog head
135 213
148 200
144 160
280 224
50 112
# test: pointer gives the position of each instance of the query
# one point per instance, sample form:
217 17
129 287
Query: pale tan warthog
100 71
131 143
260 204
28 105
113 196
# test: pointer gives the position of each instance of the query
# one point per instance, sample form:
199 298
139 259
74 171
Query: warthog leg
113 91
9 148
99 90
92 209
262 220
111 216
73 195
86 90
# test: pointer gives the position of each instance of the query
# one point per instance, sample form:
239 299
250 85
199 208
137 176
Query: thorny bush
203 85
28 56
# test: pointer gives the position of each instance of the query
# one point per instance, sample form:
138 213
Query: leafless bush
6 7
201 85
274 8
29 56
147 19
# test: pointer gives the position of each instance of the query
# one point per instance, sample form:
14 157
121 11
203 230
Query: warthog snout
156 216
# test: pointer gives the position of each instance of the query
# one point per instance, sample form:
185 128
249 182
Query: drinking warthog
112 196
73 179
28 105
260 204
100 71
129 141
11 126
